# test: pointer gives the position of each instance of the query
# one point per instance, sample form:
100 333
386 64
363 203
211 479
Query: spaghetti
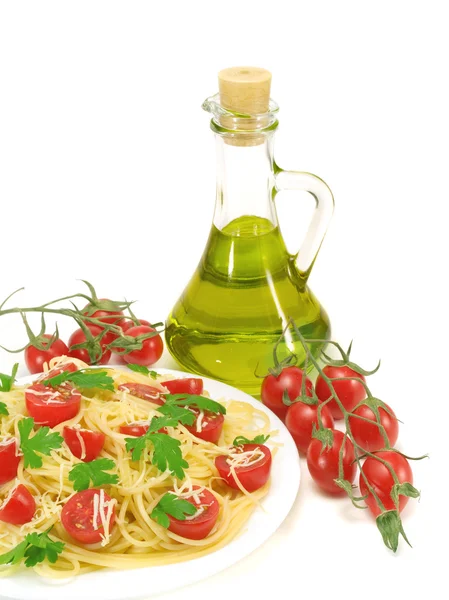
135 539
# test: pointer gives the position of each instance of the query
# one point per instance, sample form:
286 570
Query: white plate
149 581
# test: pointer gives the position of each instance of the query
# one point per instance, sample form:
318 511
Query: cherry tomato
290 381
349 392
368 435
69 367
143 391
35 358
51 406
93 442
189 385
19 507
251 476
135 429
300 420
77 516
79 337
382 481
151 350
211 426
198 527
323 464
114 317
9 461
125 325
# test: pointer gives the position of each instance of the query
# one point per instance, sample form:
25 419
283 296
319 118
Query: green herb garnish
241 439
166 450
172 505
43 442
143 370
35 548
93 473
83 379
7 381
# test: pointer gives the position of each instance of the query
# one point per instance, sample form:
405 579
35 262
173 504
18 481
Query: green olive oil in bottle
247 286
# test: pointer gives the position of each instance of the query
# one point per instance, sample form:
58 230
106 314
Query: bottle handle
301 181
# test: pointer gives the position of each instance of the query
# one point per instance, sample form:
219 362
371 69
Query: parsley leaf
3 409
42 442
241 439
7 381
84 473
35 548
195 401
83 379
170 504
180 413
143 370
166 450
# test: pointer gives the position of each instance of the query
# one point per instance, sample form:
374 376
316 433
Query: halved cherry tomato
300 420
350 392
197 527
151 350
69 367
143 391
114 317
289 380
252 476
35 358
93 442
51 406
135 429
19 507
188 385
77 516
79 337
382 481
323 463
210 426
9 461
367 434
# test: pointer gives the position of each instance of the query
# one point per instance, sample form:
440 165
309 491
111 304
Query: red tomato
382 481
151 350
35 358
51 406
77 516
300 420
143 391
93 442
349 392
251 476
69 367
19 507
135 429
79 337
290 381
210 428
189 385
125 325
368 435
198 527
114 317
9 461
323 464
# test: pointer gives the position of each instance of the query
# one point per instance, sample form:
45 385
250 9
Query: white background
107 174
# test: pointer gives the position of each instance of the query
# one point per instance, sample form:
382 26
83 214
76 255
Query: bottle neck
245 181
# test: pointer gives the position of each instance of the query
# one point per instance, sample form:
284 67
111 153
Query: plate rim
35 588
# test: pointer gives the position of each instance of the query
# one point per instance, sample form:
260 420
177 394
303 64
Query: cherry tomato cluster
334 456
106 338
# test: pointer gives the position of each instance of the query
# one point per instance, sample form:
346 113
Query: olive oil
237 304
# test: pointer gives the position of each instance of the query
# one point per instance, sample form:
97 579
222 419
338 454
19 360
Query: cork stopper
245 90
